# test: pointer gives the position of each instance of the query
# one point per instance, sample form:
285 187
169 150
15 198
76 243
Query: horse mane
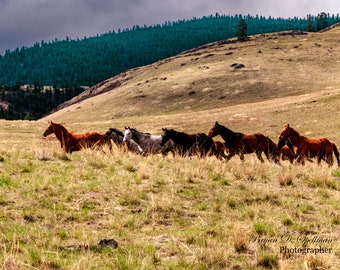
225 128
178 132
117 131
135 130
61 126
295 131
292 130
57 124
232 134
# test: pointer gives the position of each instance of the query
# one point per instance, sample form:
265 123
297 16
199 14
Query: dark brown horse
189 144
70 141
240 144
321 148
220 150
286 152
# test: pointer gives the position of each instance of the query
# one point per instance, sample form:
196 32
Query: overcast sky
24 22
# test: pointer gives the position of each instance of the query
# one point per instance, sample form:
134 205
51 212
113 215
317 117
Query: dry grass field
182 213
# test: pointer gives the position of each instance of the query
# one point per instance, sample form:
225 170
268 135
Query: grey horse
151 144
117 136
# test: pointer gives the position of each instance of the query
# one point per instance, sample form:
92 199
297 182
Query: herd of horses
291 146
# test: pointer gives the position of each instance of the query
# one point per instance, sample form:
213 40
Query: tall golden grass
164 212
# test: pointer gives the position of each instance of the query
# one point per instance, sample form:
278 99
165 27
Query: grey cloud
22 23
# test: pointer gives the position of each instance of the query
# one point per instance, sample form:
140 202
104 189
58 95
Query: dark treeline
32 102
72 63
88 61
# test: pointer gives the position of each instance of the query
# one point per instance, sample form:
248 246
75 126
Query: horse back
194 144
93 139
286 153
252 142
315 147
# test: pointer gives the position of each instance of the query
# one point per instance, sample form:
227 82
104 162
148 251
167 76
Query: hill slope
284 74
90 60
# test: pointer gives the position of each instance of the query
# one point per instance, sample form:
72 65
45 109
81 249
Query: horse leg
241 155
222 156
259 156
110 146
231 153
300 159
330 160
218 153
292 158
320 157
336 153
275 158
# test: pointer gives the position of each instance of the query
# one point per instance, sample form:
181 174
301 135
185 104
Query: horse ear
216 123
287 125
163 129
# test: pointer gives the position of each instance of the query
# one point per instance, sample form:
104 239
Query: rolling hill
271 79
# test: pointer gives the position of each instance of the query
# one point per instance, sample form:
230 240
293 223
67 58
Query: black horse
117 136
189 144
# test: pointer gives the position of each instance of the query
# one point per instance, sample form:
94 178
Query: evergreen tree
242 30
310 27
321 21
71 63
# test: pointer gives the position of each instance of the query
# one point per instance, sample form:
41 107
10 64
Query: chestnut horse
70 141
320 148
239 143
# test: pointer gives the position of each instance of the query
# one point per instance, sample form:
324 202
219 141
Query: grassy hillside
296 68
180 213
88 61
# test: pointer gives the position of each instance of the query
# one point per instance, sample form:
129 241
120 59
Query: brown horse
286 152
70 141
321 148
240 144
220 150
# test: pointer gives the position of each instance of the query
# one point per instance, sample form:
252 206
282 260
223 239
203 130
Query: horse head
113 132
127 134
165 136
49 130
214 131
285 134
109 132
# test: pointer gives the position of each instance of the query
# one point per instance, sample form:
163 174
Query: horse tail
272 147
272 150
107 140
336 152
